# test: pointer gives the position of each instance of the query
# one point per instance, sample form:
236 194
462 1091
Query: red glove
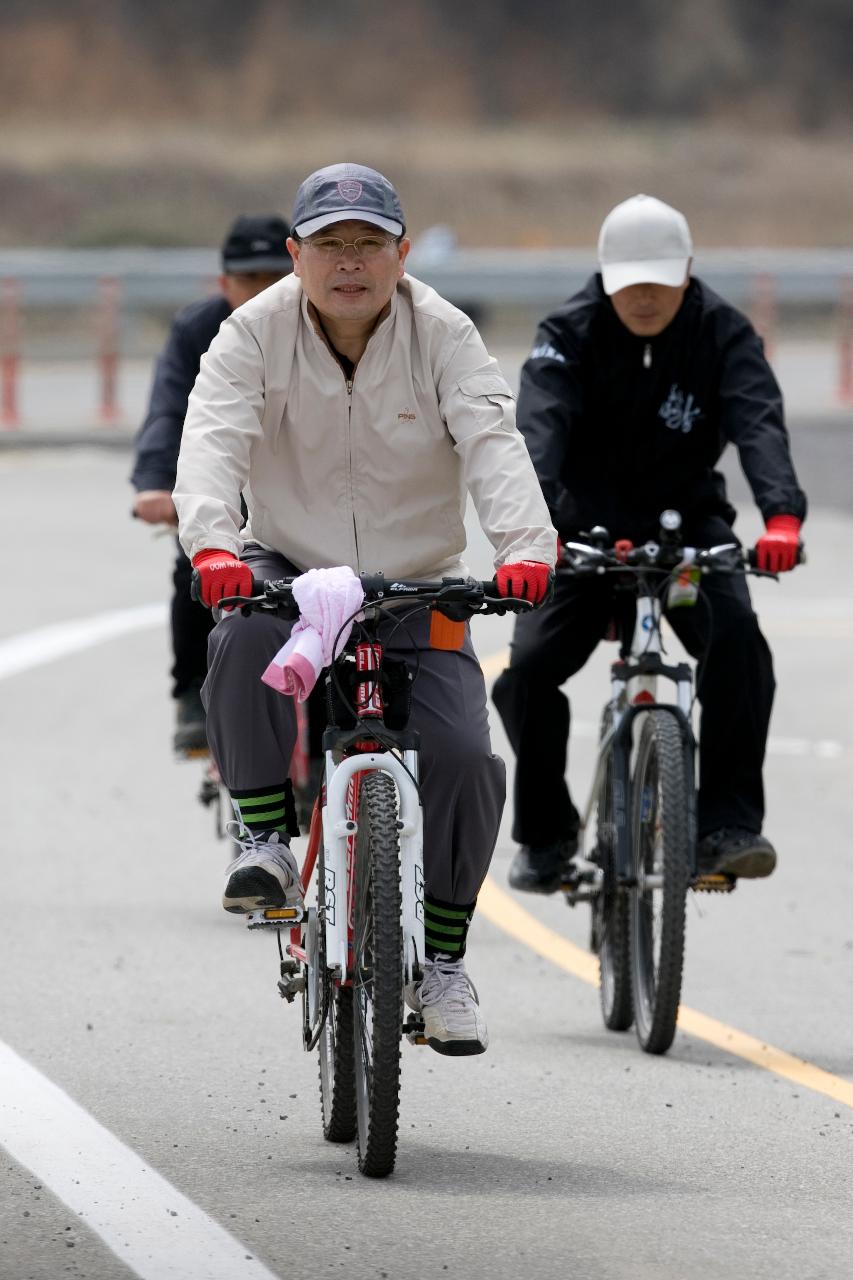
221 574
776 550
526 580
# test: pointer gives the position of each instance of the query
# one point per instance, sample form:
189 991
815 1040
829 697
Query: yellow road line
494 664
506 914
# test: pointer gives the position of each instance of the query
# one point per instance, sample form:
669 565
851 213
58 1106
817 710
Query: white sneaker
445 996
265 874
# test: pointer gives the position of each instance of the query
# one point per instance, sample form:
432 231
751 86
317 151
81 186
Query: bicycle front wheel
662 839
377 974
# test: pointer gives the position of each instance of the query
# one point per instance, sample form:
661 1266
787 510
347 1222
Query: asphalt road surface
158 1117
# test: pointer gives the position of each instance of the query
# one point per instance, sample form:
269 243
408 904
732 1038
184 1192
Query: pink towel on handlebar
329 600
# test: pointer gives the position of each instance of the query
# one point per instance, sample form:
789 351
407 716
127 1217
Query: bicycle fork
340 826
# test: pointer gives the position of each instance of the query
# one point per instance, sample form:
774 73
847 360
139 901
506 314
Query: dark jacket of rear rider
158 441
620 427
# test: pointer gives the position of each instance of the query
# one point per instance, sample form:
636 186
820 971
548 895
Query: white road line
147 1223
34 648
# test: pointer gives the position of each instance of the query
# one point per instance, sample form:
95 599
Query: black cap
257 242
341 192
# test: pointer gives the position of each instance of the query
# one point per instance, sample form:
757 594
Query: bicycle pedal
413 1029
276 917
575 893
208 792
716 882
581 883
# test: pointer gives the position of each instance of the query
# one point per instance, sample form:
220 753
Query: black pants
191 625
735 687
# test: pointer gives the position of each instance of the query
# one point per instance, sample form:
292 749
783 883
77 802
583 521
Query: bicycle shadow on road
495 1173
686 1051
436 1169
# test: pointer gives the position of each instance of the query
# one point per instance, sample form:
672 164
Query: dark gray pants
252 731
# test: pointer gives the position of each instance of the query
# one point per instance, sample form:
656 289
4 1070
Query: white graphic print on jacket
679 411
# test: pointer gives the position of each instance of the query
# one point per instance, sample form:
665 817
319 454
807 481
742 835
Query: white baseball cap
643 241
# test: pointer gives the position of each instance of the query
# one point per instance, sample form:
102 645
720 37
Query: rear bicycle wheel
377 975
335 1038
337 1069
609 934
662 842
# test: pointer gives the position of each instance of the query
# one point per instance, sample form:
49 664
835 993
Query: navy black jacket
158 440
620 427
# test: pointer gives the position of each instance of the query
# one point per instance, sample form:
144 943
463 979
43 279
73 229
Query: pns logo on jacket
679 411
545 351
407 415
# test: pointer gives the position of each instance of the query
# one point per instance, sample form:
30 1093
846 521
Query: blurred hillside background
153 123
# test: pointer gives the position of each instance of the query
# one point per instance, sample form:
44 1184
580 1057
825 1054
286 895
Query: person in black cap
254 256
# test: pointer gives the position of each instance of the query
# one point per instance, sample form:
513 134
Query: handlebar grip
752 558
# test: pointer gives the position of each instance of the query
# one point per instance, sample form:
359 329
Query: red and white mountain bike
352 951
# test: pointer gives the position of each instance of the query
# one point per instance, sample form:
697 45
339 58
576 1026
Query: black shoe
189 721
541 868
732 851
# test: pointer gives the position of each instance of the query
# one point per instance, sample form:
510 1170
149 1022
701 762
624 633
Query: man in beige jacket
353 408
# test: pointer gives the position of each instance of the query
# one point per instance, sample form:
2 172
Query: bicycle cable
399 622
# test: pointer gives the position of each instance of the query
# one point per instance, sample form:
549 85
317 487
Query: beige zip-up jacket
370 473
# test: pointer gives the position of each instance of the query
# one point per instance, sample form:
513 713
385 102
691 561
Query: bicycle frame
634 692
334 824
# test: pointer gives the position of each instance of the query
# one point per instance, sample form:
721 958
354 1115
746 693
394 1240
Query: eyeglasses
333 247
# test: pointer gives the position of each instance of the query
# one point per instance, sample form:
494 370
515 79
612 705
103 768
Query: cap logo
350 190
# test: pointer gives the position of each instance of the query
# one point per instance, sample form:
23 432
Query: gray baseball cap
347 191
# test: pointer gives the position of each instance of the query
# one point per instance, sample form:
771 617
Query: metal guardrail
491 277
118 285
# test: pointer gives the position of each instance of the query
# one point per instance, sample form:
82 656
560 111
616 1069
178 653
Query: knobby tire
377 974
610 932
663 834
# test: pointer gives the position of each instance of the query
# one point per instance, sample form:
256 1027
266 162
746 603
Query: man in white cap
353 407
632 390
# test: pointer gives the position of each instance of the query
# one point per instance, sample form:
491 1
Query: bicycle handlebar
727 557
465 596
664 556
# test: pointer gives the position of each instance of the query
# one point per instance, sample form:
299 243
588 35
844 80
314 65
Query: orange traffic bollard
10 352
845 341
108 347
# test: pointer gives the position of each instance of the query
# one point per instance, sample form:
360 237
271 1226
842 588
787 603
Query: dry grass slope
168 184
